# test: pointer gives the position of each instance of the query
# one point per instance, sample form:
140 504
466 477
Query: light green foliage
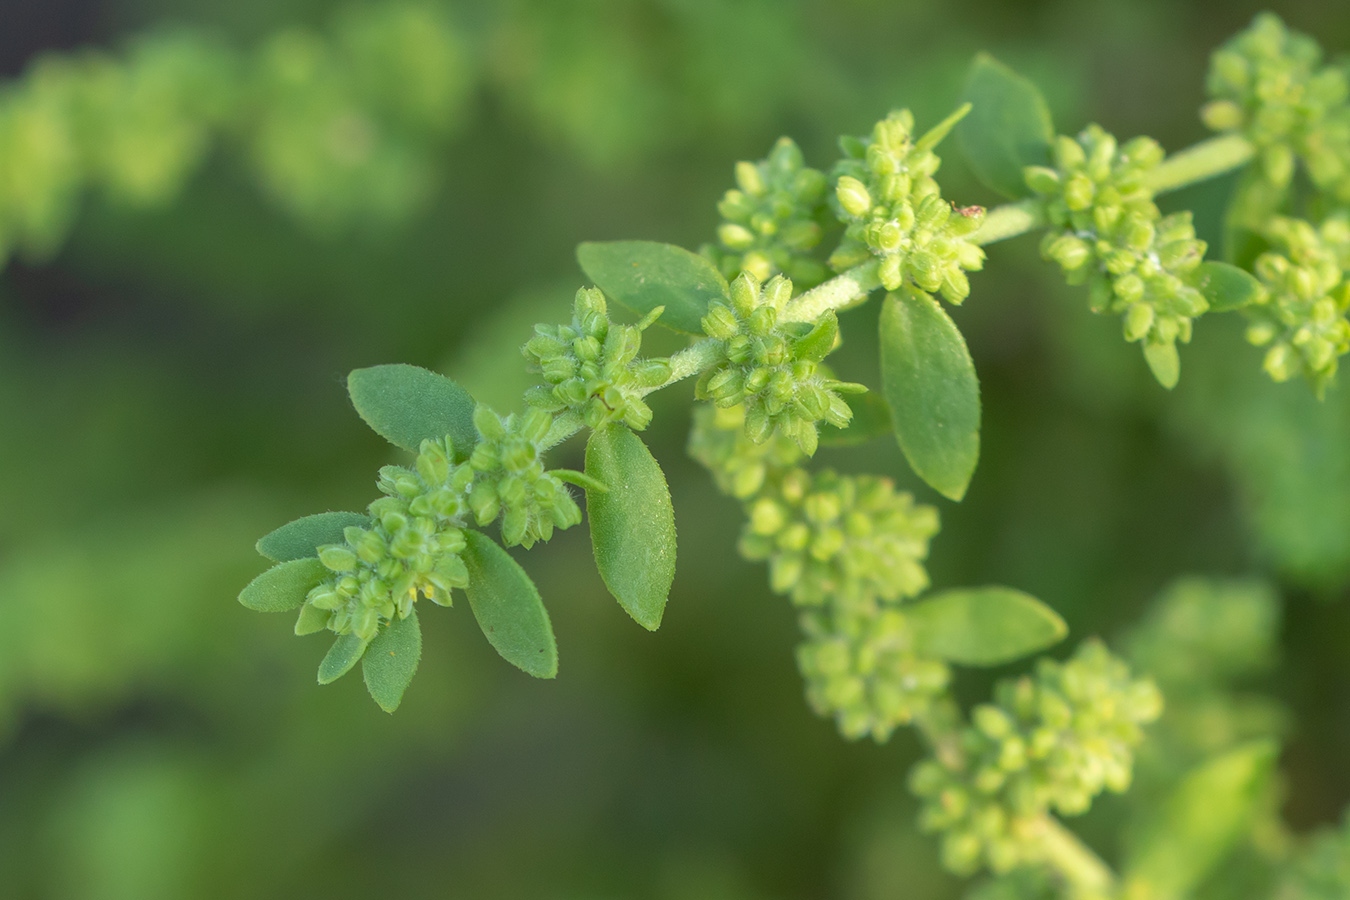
772 367
1053 741
632 523
283 587
1199 823
591 366
1110 235
1269 84
1008 128
407 405
929 382
340 127
645 276
508 608
391 661
1322 870
1303 318
303 537
771 219
985 626
894 211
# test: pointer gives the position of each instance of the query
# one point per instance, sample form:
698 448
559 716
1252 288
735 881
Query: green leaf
508 609
985 626
301 538
632 524
1008 128
643 275
391 661
405 405
1227 287
871 419
929 382
1199 824
1164 362
283 587
344 653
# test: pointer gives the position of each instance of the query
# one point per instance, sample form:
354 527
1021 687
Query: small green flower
1303 317
411 547
861 668
845 540
771 219
739 466
894 211
1268 83
1109 234
1053 741
510 479
592 366
773 367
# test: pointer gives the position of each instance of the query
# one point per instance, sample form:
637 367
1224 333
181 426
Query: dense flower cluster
894 211
840 539
861 668
592 366
847 549
772 367
1302 319
1109 234
413 544
1053 741
1269 84
771 219
510 479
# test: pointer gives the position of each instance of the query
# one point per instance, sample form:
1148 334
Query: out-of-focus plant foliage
229 205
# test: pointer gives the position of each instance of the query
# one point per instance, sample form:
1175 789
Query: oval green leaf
632 523
1009 126
928 380
643 275
1226 287
301 538
405 405
391 661
985 626
1199 823
283 587
344 653
871 419
508 608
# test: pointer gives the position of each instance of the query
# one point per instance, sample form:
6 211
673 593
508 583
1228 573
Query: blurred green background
171 389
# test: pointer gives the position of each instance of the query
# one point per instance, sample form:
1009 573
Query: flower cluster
509 478
861 668
413 544
1109 234
1302 318
1049 742
846 549
1268 83
894 211
592 366
842 539
772 367
770 220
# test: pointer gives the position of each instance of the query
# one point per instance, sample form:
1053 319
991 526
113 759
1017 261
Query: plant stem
1082 869
1202 161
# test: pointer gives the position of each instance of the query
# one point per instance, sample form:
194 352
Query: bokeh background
171 365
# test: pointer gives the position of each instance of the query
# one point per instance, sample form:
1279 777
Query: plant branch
1081 868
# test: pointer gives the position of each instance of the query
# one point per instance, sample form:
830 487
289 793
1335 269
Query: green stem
566 425
837 293
1082 870
1201 162
1010 220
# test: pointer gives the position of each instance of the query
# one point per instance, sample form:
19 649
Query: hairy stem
1201 162
1086 875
